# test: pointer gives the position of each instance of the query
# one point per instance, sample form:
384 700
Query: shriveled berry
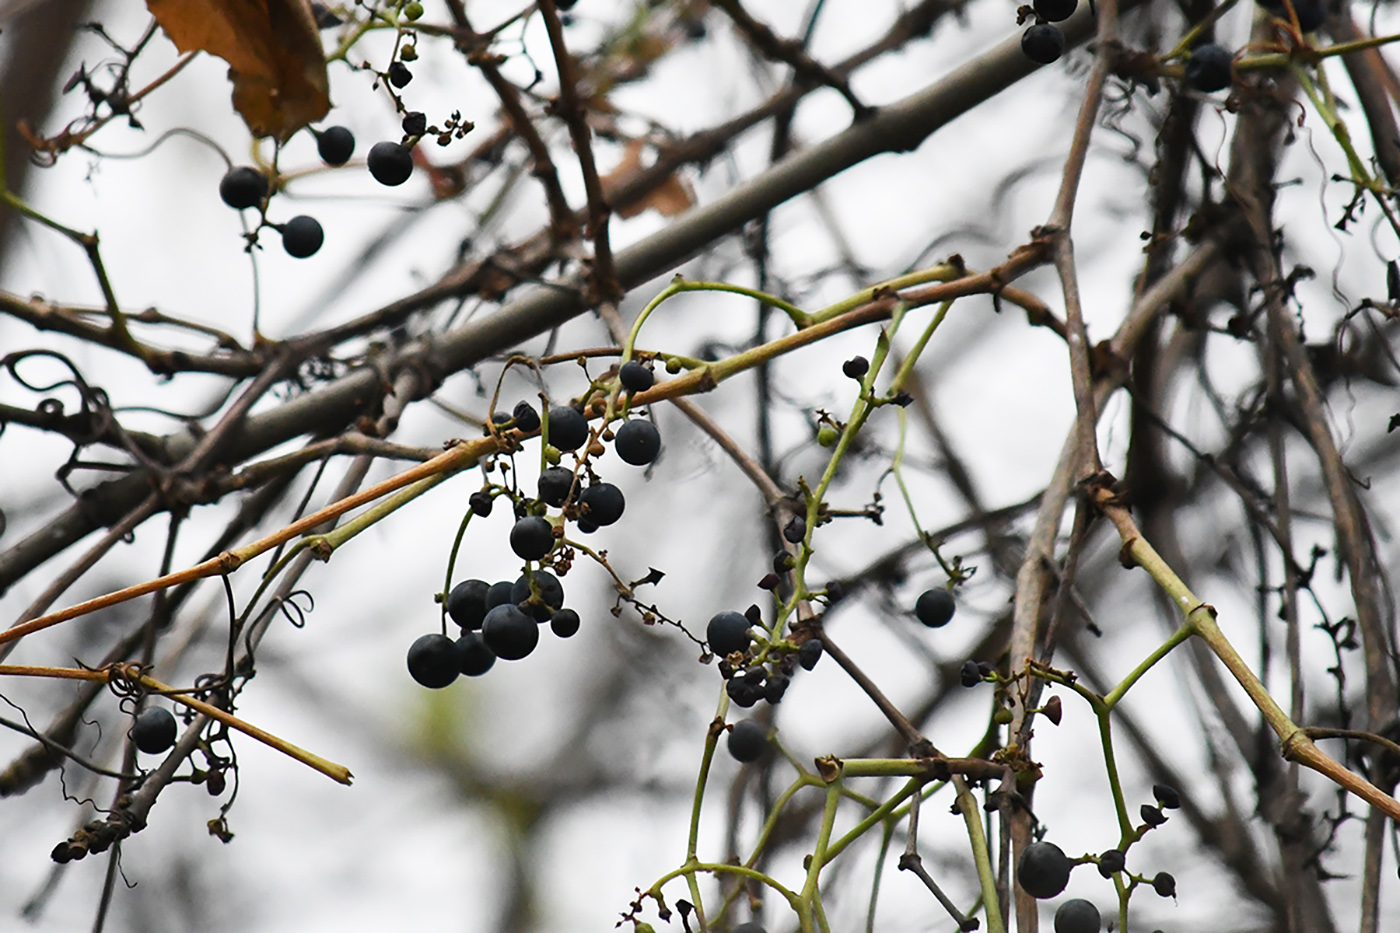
795 530
934 608
532 537
742 693
810 653
555 484
638 442
564 623
415 123
971 674
1077 916
1151 815
551 593
747 740
727 633
335 145
433 660
1208 68
568 428
466 604
154 730
782 562
602 503
526 418
1166 796
390 163
499 594
1043 43
1053 710
635 377
399 75
480 502
1043 870
302 236
1110 862
510 633
473 656
769 581
1055 11
1164 884
856 367
774 689
243 187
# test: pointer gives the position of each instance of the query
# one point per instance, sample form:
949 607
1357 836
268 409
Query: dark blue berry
466 604
499 594
856 367
243 187
433 660
727 633
390 163
532 537
415 123
795 530
551 593
564 623
602 503
335 144
473 656
154 730
526 418
747 740
1208 68
934 608
555 484
638 442
1166 796
971 674
635 377
1164 884
1077 916
810 653
568 428
742 693
302 236
480 502
510 633
1043 870
399 75
1043 43
1055 11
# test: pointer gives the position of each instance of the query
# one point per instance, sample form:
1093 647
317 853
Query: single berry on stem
810 653
638 442
499 594
1043 870
466 603
480 502
934 608
1208 68
390 163
399 75
433 660
564 623
635 377
510 633
1043 43
526 418
243 187
335 144
302 236
856 367
602 503
568 428
415 123
747 740
532 537
727 633
1055 11
555 485
1077 916
154 730
473 655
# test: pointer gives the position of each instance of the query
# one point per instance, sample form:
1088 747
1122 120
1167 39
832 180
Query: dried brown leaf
671 197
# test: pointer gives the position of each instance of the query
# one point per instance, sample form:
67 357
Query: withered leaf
671 197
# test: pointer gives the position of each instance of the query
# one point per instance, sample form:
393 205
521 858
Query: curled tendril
124 680
293 612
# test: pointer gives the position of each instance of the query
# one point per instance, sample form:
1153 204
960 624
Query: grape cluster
502 620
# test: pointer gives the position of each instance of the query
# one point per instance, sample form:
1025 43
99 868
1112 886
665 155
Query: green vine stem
1294 743
972 816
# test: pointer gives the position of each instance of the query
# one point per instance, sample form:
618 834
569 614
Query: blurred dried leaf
671 197
276 63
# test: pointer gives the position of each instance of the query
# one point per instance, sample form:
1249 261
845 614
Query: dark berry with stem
335 144
727 633
243 187
473 656
1077 916
499 418
810 653
551 593
635 377
971 674
399 75
782 562
1164 884
564 623
769 581
1166 796
774 689
747 740
1043 43
587 525
856 367
1208 68
302 236
466 603
602 503
638 442
795 530
1151 815
433 660
415 123
1110 862
526 418
1043 870
390 163
532 537
742 693
934 608
480 502
1055 11
510 633
555 485
835 592
499 594
154 730
568 428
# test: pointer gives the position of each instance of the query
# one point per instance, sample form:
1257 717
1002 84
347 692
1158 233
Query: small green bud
408 53
551 453
413 10
827 436
1002 716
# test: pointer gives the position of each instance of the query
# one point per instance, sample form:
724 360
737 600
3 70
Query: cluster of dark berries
244 187
1043 42
729 640
154 730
